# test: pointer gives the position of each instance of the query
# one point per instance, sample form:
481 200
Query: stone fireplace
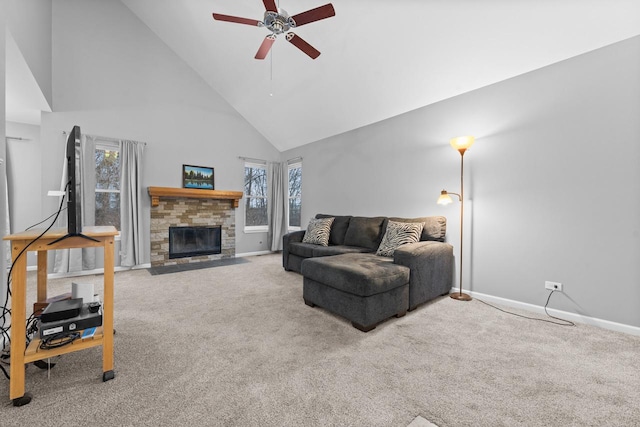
197 209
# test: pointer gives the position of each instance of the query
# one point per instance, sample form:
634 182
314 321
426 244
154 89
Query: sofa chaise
364 270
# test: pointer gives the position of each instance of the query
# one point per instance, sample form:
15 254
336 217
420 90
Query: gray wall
552 183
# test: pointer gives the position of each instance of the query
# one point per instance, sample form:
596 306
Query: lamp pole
459 295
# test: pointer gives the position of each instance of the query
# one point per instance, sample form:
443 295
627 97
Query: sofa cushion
337 250
398 234
338 228
318 231
435 227
357 274
364 232
304 250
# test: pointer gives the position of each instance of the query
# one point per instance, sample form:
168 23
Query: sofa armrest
295 236
431 269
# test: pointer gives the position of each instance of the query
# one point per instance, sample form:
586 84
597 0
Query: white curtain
131 218
88 199
7 230
61 257
67 260
278 207
5 252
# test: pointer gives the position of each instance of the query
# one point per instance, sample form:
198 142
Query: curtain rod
260 161
249 159
17 138
103 138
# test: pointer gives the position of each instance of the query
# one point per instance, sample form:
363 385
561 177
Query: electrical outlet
553 286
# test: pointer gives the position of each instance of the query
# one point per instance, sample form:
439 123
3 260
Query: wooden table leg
42 276
18 321
107 311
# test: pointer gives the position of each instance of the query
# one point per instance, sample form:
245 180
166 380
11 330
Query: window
295 195
255 192
108 185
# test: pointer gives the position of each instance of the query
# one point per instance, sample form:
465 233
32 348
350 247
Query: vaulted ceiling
378 58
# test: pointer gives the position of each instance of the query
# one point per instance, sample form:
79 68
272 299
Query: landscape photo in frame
201 177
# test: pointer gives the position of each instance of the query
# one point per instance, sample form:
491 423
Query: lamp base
460 296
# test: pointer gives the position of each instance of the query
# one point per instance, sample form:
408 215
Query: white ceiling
379 58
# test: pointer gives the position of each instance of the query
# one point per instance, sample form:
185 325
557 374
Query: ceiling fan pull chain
271 74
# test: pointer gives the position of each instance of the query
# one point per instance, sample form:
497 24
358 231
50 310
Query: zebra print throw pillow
318 231
398 234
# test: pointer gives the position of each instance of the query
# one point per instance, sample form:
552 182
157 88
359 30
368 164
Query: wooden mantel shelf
193 193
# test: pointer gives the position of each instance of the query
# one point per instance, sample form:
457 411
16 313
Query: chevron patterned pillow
398 234
318 231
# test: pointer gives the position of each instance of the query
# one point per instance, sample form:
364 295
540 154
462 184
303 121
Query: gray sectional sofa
346 276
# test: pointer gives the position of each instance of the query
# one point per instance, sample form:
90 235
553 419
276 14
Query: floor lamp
462 144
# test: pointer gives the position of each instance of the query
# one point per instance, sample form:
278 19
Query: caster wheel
21 401
42 364
109 375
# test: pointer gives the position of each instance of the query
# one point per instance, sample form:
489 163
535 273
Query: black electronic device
93 306
74 186
86 319
74 192
61 310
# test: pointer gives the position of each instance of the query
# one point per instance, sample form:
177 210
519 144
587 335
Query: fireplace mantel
193 193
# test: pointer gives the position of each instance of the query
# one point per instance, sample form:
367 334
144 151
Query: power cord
38 223
4 329
562 322
4 359
58 340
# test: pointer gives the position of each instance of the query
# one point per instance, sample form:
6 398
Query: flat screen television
74 181
74 187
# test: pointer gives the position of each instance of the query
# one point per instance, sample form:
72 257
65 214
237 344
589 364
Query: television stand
21 354
73 235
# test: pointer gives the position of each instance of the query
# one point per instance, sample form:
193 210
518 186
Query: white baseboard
92 272
254 253
574 317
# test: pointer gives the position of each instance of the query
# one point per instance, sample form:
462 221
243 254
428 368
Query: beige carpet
236 346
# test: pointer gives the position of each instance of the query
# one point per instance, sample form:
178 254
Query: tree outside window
107 186
255 191
295 195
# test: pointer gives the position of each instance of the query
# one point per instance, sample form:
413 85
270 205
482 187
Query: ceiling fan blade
270 5
298 42
237 20
312 15
265 47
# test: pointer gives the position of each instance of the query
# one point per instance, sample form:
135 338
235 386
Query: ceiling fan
278 21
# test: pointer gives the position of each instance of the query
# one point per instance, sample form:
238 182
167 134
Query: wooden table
20 354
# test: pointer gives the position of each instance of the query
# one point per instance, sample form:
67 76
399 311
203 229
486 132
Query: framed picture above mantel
201 177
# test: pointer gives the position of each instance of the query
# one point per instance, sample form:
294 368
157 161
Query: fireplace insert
194 241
